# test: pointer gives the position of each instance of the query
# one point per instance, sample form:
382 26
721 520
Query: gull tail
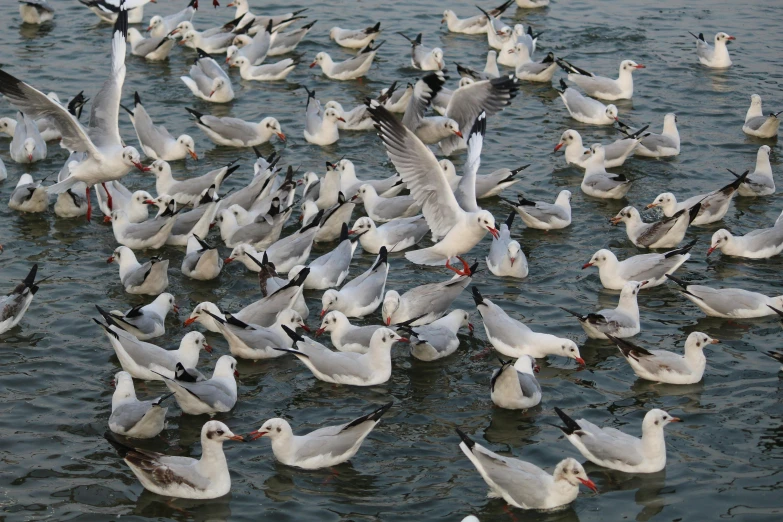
374 416
465 439
425 256
734 185
778 356
575 314
477 297
374 29
571 426
681 251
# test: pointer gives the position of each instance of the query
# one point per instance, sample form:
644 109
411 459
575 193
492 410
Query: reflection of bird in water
150 505
651 487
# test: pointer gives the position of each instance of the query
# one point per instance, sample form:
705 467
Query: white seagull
716 57
131 417
622 321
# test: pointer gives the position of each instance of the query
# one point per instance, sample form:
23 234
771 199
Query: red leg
483 354
331 477
89 204
108 196
465 266
508 511
458 272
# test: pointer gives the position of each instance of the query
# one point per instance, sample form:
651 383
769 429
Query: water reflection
151 505
650 487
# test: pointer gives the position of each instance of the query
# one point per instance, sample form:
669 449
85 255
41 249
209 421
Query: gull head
465 81
448 168
240 251
155 21
218 84
241 40
630 66
122 254
182 28
362 226
521 50
329 301
239 61
657 419
188 37
437 54
331 104
723 37
272 126
332 32
568 348
333 115
200 313
513 251
486 220
448 14
599 258
631 289
216 431
273 428
567 138
123 384
626 215
118 216
7 126
345 164
611 112
160 168
385 338
190 146
572 472
130 156
464 318
364 191
194 342
226 366
452 126
331 322
755 100
29 148
292 319
765 150
320 59
142 197
665 200
231 52
698 341
391 303
527 364
168 301
719 240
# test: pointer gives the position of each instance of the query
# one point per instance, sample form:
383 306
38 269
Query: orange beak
640 66
558 146
193 154
589 483
107 219
323 313
189 321
587 265
238 438
615 220
458 133
281 136
470 327
176 309
256 434
494 232
676 419
181 42
388 321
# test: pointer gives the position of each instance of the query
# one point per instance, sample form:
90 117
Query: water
724 459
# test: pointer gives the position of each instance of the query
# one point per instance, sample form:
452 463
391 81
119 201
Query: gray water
724 459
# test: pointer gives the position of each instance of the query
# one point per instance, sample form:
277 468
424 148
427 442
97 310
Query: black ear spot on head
210 435
278 429
656 423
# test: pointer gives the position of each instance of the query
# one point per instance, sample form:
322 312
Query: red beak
305 327
319 332
313 64
581 361
149 202
512 260
343 120
676 419
323 313
388 321
181 42
350 231
176 309
640 66
149 28
494 232
29 157
730 38
558 146
470 327
281 136
193 154
458 133
589 483
208 348
255 434
210 94
236 374
189 321
403 340
228 260
536 368
107 219
141 167
110 260
587 265
710 250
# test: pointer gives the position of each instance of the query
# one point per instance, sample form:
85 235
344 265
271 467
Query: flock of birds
438 202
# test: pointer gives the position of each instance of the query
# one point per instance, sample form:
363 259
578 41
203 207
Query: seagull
320 125
147 321
505 252
515 339
714 57
254 342
356 369
354 38
622 321
14 305
597 182
666 233
184 477
499 34
437 339
544 216
208 80
665 366
27 145
713 205
322 448
729 303
162 25
458 231
430 130
487 185
584 109
757 244
425 303
349 183
215 395
233 132
361 295
330 269
652 268
600 86
267 72
350 69
131 417
284 43
249 19
514 386
293 250
525 485
36 12
425 58
333 220
255 50
526 69
396 235
653 145
150 278
29 195
152 49
490 69
151 234
473 24
106 157
147 361
155 140
136 205
613 449
760 182
532 4
756 124
202 261
615 153
110 10
382 209
213 44
346 337
187 191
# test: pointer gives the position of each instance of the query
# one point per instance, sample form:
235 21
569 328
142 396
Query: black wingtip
344 232
383 258
775 355
570 424
136 98
677 280
121 24
510 219
295 337
467 440
693 212
29 280
477 298
215 317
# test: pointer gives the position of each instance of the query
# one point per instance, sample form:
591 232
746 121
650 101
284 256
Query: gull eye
220 432
576 471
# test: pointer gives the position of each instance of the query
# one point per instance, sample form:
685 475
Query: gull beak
588 483
181 42
354 198
313 64
351 231
208 349
615 119
176 309
236 374
558 146
640 66
537 368
29 157
141 167
652 205
512 259
175 31
193 154
227 59
581 361
149 28
442 20
715 341
228 260
319 332
388 321
458 133
730 38
470 327
305 327
110 260
323 313
230 5
511 51
189 321
615 220
676 419
643 283
587 265
256 434
149 202
343 120
710 250
238 438
299 182
211 93
403 340
107 219
494 232
281 136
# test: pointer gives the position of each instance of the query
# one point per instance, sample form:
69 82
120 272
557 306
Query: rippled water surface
724 459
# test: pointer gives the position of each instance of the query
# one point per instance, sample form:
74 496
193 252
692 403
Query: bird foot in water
483 354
